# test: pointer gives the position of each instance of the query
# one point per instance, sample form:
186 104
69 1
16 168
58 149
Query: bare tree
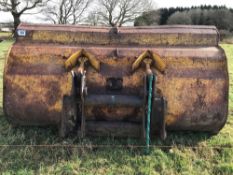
66 11
119 12
93 18
19 7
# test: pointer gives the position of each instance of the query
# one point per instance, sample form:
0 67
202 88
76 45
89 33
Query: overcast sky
6 17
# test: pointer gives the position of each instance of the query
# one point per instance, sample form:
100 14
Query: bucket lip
60 27
168 35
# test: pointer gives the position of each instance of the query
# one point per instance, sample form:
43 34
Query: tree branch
119 12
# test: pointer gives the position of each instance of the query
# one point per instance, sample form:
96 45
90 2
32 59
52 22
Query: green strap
151 77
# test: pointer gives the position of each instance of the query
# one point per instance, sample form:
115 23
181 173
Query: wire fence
115 146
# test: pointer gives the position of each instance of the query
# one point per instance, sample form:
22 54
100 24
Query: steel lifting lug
156 61
79 87
82 62
148 63
155 104
73 119
75 58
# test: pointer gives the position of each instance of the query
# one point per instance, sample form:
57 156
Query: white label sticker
21 32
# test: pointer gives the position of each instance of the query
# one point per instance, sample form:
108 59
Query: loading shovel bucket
127 82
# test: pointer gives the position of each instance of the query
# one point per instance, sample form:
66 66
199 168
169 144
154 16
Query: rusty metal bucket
94 80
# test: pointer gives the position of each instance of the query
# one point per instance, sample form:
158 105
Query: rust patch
113 113
196 73
33 112
54 92
36 69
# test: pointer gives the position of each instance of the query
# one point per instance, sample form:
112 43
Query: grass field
203 159
5 35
